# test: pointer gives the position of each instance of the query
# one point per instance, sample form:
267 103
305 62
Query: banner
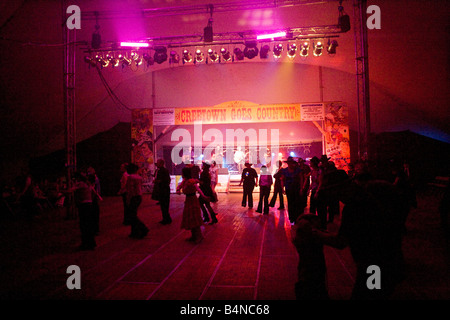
142 144
337 134
238 112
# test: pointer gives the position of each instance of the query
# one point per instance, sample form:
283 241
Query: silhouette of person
371 227
312 270
123 193
205 186
134 199
162 183
192 217
277 188
265 183
249 179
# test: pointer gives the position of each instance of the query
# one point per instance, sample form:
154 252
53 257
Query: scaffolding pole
69 41
362 78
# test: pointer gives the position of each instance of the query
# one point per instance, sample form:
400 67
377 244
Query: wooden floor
246 256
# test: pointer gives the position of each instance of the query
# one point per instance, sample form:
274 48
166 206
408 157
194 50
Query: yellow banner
238 112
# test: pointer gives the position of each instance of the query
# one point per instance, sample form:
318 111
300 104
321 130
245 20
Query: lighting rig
210 47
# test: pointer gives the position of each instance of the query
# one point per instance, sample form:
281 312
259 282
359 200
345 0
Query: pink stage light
271 35
134 44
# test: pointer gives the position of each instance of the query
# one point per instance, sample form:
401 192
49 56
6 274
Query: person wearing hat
249 179
371 227
291 179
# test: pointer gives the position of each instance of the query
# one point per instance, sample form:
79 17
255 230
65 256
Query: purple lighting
134 44
271 35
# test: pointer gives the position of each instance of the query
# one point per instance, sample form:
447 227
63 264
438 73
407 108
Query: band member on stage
239 157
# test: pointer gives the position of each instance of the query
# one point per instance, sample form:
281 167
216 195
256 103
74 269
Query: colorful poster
142 144
337 134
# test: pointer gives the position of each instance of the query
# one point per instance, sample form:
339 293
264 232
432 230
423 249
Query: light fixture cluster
229 53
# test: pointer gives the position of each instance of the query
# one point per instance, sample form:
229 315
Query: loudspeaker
208 34
344 22
96 41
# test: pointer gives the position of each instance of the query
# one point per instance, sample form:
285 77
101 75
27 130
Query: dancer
192 216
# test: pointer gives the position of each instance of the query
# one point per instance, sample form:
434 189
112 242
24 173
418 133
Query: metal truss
362 78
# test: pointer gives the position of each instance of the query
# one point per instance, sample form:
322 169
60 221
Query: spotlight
213 55
332 47
160 54
305 49
139 61
199 56
264 53
149 59
291 50
114 62
174 57
187 56
126 62
134 55
277 50
238 54
318 47
89 60
251 50
226 55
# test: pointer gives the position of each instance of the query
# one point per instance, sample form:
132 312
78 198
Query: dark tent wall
105 152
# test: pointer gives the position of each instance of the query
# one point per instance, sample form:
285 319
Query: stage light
90 60
125 61
251 50
277 50
304 50
264 52
318 47
292 154
291 50
149 59
174 57
114 62
271 35
226 55
134 55
213 55
238 54
332 47
199 56
187 56
160 54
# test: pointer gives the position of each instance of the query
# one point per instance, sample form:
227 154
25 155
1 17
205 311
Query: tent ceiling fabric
408 63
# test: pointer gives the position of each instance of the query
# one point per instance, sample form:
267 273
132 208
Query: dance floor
245 256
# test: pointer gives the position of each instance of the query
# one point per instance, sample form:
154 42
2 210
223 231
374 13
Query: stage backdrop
333 115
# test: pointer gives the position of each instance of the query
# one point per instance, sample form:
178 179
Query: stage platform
245 256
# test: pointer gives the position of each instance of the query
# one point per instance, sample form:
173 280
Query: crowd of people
372 224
